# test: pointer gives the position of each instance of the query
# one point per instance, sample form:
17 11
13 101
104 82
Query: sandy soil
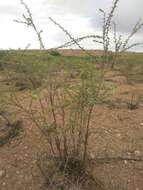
116 147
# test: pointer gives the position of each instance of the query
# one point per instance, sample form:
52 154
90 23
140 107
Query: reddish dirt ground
76 52
116 146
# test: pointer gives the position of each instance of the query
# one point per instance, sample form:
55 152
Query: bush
55 53
63 110
2 54
9 130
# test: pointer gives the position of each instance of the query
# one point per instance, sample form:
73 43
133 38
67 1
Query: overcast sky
80 17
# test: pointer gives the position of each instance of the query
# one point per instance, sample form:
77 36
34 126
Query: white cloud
79 17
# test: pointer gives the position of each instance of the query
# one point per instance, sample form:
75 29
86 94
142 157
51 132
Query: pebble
92 156
125 162
2 173
34 161
3 184
7 176
118 134
26 155
17 172
137 153
129 154
139 166
21 176
129 181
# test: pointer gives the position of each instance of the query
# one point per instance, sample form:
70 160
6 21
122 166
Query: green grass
35 62
131 65
22 70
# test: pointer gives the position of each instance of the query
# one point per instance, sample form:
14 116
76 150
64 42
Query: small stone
21 176
125 162
141 124
17 172
2 173
7 176
34 161
40 185
129 154
118 134
3 184
137 153
26 155
139 166
27 178
92 156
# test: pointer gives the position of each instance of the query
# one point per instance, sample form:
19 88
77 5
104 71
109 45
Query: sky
79 17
